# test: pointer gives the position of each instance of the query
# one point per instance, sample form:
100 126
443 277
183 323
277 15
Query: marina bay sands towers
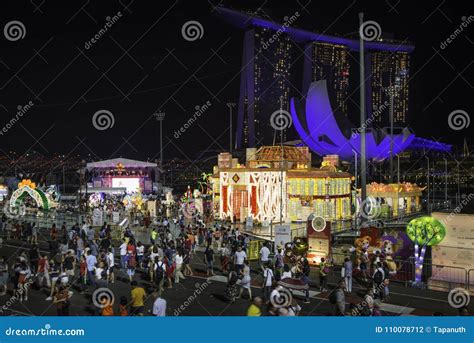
280 61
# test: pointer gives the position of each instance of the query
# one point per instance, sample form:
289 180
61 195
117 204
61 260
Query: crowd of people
83 259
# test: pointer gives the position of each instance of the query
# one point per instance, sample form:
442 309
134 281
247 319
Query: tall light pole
281 162
458 195
355 185
355 169
230 105
363 156
160 116
433 181
398 169
391 94
445 181
428 184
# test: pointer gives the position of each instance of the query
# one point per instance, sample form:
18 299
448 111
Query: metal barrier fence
470 280
47 222
433 276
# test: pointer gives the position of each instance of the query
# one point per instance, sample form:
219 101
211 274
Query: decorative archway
28 188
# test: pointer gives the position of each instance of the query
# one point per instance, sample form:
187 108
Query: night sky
143 64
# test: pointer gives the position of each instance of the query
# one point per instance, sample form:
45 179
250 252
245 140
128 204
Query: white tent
127 163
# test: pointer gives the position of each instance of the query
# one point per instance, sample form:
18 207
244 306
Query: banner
260 330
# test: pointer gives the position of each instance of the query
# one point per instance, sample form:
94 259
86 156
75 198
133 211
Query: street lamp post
363 156
355 185
390 90
281 163
458 196
160 116
428 184
230 105
398 169
445 182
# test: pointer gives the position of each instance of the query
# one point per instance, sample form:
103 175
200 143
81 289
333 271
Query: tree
424 231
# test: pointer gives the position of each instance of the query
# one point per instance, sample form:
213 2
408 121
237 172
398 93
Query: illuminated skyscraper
269 50
330 62
265 77
389 69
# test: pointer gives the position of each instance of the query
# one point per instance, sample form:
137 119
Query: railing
470 280
434 276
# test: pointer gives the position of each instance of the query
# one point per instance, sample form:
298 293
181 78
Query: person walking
378 279
224 257
159 272
264 256
254 309
178 274
3 275
138 296
159 305
91 261
338 298
123 254
246 280
279 263
267 284
239 257
61 300
323 273
43 271
209 259
110 265
347 274
304 277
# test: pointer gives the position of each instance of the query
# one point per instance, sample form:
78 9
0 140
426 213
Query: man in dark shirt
209 257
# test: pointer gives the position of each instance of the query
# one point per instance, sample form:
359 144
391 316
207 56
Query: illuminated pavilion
264 185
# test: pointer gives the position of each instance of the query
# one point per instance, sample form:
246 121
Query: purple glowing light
319 129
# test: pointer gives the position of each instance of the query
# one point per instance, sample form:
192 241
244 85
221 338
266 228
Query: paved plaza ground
202 296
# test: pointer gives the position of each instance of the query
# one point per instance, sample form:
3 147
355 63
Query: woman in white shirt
245 281
178 274
140 252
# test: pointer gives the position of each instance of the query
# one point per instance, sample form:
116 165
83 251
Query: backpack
160 273
278 261
378 276
132 262
333 297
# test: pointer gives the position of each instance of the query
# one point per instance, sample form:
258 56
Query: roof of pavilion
122 162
